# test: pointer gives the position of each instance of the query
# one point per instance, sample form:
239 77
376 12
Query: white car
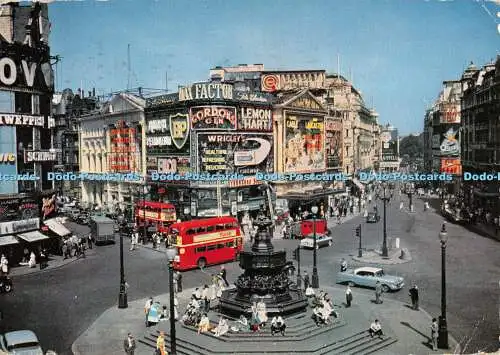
20 342
321 241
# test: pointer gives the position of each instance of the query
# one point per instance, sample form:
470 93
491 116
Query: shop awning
308 196
8 240
31 237
57 227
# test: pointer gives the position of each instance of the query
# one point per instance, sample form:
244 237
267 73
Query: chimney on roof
93 92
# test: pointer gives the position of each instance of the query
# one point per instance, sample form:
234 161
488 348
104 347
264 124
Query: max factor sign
204 91
31 156
7 119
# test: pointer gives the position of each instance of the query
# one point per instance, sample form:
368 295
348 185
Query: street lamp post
443 326
145 228
122 298
386 198
171 254
315 277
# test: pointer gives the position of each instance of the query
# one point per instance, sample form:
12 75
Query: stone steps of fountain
359 343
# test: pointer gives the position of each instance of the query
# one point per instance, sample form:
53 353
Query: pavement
55 261
105 336
67 304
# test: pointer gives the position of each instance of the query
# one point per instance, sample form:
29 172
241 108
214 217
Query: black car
372 217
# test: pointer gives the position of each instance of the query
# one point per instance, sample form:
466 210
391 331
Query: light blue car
368 277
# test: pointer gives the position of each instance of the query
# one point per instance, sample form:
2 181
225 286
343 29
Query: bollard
397 243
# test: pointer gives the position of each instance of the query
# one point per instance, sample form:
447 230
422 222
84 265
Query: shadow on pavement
427 343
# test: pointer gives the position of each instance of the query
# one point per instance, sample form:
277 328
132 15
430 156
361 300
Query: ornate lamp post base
443 333
122 298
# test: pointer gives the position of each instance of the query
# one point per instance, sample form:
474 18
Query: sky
396 52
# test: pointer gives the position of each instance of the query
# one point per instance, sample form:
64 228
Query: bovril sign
31 156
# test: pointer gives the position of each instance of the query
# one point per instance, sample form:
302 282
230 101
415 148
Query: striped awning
31 237
57 227
8 240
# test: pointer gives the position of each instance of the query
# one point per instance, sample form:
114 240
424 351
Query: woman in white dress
4 264
262 312
222 328
32 261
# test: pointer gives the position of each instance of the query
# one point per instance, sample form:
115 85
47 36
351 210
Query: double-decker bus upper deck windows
219 227
230 244
210 228
228 226
190 232
212 247
200 230
220 246
200 249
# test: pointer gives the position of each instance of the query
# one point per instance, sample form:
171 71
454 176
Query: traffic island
395 256
302 336
405 331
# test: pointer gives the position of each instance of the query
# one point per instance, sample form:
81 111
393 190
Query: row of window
215 228
214 247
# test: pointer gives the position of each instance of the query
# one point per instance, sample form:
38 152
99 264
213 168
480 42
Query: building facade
361 147
26 126
442 127
112 145
66 110
481 134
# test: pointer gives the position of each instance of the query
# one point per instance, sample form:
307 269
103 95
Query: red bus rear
159 214
207 241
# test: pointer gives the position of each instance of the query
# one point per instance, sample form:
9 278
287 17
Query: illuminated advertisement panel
8 159
333 143
304 149
243 153
451 166
125 152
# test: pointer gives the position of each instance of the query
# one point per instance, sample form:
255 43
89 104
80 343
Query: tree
412 145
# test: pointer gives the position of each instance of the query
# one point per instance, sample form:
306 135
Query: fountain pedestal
265 278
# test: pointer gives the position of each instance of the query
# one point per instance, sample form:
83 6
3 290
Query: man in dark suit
414 297
223 275
129 344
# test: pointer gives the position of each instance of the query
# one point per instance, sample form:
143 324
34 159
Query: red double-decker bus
207 241
159 214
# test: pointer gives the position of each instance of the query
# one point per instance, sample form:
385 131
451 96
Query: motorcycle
5 284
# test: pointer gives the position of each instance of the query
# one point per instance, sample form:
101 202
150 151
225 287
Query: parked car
372 217
368 277
322 240
20 342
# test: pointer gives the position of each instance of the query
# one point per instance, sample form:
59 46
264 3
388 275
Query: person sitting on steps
375 329
278 325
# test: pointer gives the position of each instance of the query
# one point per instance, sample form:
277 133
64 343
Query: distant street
60 304
473 267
